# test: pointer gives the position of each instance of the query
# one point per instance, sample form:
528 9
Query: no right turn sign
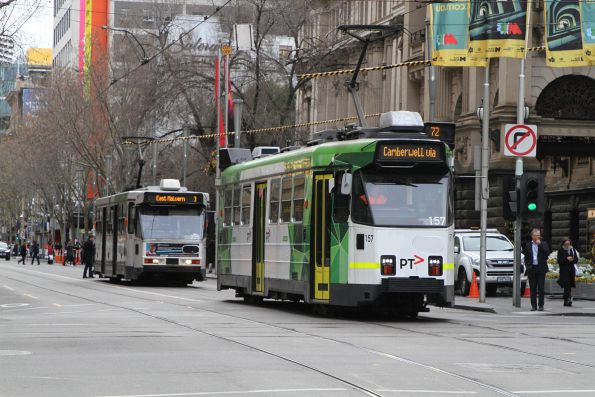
520 140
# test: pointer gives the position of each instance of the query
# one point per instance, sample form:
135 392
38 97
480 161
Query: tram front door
260 197
321 219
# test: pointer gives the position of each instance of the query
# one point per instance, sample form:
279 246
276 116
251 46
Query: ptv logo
416 260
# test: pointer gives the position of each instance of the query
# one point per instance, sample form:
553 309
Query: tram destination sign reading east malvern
410 152
169 198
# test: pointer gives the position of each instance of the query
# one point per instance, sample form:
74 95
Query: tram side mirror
346 184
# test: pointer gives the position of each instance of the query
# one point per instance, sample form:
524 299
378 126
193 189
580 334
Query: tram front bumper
198 272
393 289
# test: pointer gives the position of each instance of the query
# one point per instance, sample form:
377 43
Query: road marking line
158 294
30 296
9 288
426 391
57 304
553 391
231 392
27 308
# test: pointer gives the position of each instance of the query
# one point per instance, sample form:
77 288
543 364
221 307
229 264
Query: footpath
554 305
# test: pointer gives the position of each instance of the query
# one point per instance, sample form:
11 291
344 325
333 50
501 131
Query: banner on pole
563 37
449 24
498 29
588 29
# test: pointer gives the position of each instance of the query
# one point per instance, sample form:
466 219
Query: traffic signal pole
518 223
485 188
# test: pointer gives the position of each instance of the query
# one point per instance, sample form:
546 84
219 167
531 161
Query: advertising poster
563 38
588 29
450 35
498 28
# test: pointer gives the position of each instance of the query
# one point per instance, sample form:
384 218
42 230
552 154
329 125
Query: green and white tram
365 219
152 233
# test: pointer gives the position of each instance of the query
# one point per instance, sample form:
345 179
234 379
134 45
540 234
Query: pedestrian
69 253
50 253
88 256
35 252
536 253
567 259
23 254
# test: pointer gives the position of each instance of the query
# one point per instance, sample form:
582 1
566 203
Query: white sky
38 31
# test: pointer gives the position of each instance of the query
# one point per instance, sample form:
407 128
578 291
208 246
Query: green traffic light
532 206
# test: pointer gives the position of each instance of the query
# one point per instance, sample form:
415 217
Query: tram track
352 385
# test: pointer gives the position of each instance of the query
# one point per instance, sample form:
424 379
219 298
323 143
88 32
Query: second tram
152 233
365 219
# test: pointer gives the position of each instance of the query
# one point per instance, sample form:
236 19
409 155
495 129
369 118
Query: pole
185 155
518 223
432 82
485 189
226 85
237 121
217 172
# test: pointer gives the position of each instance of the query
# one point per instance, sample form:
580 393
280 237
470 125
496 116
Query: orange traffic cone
473 290
527 293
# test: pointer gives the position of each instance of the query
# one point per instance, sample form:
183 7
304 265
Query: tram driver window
340 201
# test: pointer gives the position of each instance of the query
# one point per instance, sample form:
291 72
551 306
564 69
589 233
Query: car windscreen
172 223
3 246
493 243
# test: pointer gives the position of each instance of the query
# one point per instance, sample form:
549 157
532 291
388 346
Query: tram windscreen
172 223
391 199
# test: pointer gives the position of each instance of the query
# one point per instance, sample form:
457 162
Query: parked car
4 250
499 260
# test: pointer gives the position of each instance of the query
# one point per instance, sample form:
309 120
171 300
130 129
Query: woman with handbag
567 258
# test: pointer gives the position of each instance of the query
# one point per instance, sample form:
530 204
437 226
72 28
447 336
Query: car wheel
463 282
491 289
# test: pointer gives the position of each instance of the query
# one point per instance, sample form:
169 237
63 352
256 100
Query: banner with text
588 29
449 25
498 28
563 37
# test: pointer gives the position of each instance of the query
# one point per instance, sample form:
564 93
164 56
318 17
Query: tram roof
308 157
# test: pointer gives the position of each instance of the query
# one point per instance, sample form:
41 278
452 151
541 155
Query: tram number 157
437 220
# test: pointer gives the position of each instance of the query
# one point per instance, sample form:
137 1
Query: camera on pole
532 198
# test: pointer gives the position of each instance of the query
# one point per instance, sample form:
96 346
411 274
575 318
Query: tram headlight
435 265
388 265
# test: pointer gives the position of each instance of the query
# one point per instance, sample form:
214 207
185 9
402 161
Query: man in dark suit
536 253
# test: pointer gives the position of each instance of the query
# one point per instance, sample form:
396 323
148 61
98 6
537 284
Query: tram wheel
252 300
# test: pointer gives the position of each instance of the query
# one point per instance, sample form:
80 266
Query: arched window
570 97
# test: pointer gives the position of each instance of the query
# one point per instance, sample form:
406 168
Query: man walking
88 256
23 253
35 252
536 253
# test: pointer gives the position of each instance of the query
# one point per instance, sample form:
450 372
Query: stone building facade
561 103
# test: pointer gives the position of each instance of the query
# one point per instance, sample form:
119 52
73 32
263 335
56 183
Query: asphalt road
61 335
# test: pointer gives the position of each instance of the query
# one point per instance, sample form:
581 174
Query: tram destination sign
173 198
410 152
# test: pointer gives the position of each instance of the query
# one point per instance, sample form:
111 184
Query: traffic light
509 205
532 195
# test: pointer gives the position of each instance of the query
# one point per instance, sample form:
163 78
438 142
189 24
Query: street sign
520 140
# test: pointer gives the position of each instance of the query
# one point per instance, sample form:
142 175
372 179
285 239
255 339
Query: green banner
588 29
498 28
563 37
449 23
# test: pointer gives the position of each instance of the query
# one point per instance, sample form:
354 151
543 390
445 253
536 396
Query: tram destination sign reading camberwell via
409 152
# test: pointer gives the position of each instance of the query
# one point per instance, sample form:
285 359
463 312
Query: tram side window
236 205
246 200
98 226
227 207
110 220
275 198
286 199
131 216
121 218
298 198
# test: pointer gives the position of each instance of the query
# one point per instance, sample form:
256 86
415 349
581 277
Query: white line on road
554 391
27 308
213 393
30 296
9 288
425 391
158 294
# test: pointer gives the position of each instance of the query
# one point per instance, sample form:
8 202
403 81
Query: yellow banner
563 34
